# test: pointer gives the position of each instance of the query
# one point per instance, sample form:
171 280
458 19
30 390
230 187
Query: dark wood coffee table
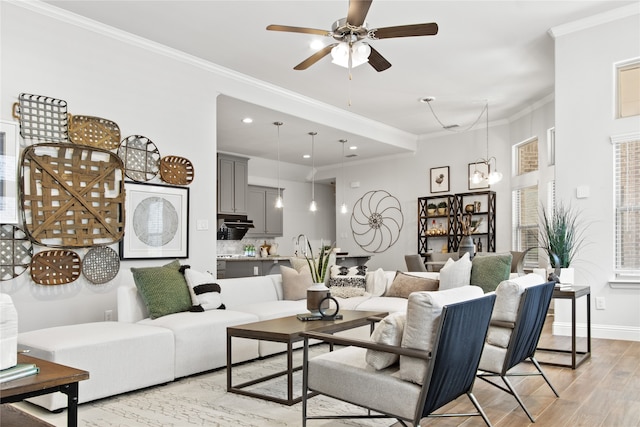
287 330
51 378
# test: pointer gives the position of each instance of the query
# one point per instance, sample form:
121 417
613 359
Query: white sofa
159 350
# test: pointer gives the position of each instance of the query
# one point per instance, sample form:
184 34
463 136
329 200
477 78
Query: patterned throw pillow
163 289
347 282
205 293
487 271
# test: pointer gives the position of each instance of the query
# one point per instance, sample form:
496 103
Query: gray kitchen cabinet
261 208
233 177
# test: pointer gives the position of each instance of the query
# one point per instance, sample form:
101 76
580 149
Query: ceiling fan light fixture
360 52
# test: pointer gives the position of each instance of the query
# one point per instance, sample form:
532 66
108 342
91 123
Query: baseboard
626 333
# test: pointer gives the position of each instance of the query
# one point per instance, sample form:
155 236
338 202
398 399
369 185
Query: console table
51 378
577 357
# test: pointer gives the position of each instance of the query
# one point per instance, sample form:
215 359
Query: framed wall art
9 157
439 179
157 222
483 169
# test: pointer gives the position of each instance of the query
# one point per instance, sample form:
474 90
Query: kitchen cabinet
233 177
261 209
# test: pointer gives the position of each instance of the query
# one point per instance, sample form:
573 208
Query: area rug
202 400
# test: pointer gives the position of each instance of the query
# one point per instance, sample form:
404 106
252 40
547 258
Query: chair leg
515 394
479 408
537 365
305 380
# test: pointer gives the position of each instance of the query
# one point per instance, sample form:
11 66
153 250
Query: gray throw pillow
404 284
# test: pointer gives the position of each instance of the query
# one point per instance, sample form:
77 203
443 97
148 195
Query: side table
52 377
577 357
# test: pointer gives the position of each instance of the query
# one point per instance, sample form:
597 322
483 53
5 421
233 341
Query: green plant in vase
319 265
431 208
442 208
562 234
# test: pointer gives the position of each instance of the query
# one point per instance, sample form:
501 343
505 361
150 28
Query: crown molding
595 20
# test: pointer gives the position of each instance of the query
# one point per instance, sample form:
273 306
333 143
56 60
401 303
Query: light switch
202 224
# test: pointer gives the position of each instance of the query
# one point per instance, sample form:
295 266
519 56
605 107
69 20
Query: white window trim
622 282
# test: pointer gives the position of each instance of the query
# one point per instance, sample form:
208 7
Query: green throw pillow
163 289
488 271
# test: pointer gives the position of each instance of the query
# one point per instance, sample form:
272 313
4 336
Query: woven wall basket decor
94 132
140 156
100 265
16 251
42 118
55 267
71 195
176 170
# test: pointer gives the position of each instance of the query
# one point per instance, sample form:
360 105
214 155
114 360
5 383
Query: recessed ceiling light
247 120
353 147
306 156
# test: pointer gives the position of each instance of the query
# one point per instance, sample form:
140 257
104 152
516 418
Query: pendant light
343 206
279 204
313 206
491 177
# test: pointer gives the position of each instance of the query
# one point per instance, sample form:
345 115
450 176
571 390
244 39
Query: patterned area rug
202 400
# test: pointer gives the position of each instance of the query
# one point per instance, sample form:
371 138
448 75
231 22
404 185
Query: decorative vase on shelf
567 275
316 293
466 246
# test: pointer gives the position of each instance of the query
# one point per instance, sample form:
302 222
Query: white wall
585 99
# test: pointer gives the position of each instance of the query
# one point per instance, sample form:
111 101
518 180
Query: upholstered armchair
516 324
406 375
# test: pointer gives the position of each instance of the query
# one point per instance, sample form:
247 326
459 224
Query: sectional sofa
138 351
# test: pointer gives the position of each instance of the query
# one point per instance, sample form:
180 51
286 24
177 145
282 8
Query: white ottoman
119 356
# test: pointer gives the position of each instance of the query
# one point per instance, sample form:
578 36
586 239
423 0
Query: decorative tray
72 195
140 156
94 132
55 267
176 170
16 251
42 118
100 265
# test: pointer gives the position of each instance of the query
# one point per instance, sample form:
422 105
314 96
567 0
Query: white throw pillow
388 331
204 290
376 282
455 273
423 315
295 283
508 295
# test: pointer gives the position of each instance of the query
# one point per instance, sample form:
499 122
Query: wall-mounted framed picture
157 222
9 158
439 179
483 169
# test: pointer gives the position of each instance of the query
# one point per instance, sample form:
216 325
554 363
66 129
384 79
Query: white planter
566 275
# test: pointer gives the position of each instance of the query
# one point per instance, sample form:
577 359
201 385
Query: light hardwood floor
603 391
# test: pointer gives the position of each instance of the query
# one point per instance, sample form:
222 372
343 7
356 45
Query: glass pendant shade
343 208
360 52
313 206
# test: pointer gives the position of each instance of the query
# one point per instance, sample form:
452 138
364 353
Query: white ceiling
498 51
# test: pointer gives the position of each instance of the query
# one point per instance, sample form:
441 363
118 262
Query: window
628 95
527 157
525 200
627 206
525 222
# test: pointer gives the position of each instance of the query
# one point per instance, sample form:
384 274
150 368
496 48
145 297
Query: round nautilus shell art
376 221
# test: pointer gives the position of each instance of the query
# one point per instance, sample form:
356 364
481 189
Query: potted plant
561 235
431 209
318 267
442 208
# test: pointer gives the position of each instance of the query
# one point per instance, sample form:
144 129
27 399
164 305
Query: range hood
233 227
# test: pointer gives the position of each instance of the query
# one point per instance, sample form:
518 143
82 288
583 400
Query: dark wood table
51 378
577 357
287 330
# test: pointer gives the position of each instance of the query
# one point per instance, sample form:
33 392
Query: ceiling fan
350 50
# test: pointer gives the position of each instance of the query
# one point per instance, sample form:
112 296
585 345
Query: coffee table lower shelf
287 330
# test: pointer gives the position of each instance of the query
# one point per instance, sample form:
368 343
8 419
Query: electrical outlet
108 315
600 303
256 272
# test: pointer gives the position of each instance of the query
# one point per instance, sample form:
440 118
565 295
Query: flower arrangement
319 266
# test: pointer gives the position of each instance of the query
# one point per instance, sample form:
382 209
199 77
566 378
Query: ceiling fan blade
315 57
303 30
429 29
377 61
357 13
